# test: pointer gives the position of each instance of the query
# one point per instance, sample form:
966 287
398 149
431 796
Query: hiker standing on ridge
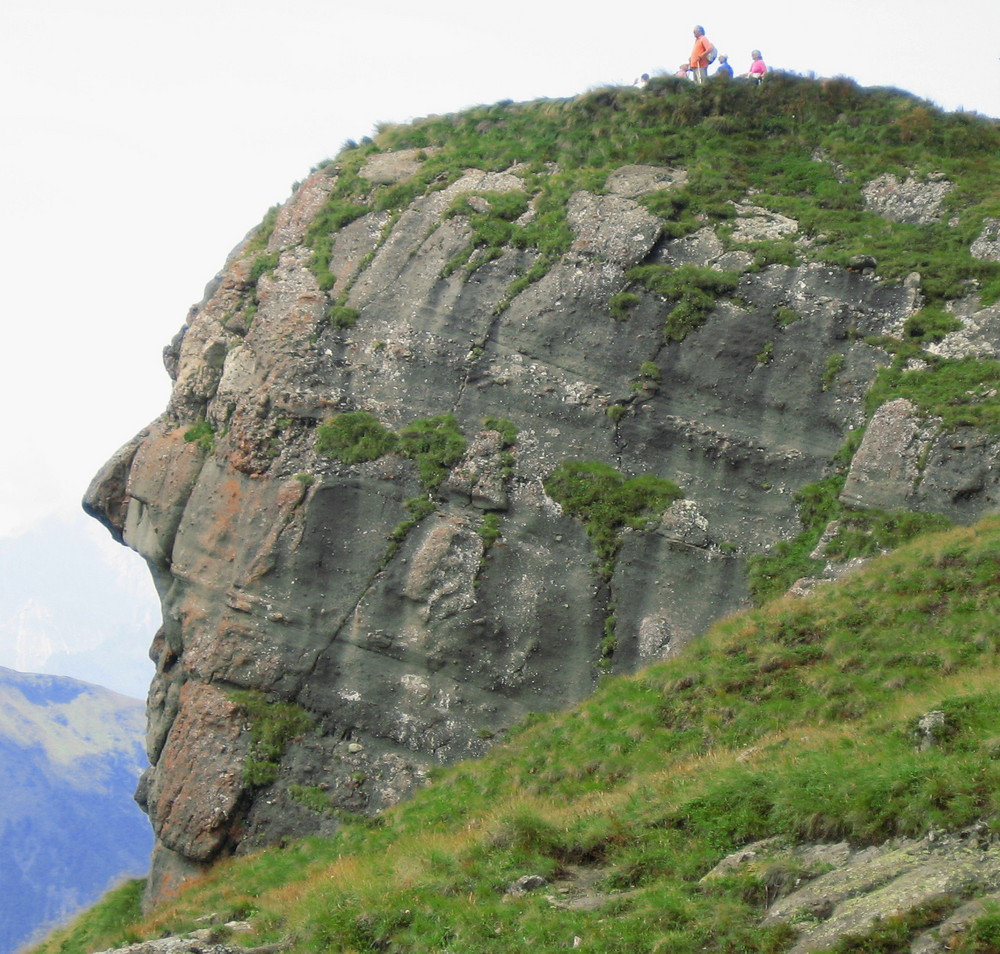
698 63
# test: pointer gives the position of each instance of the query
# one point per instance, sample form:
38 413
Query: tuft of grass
961 392
340 316
784 316
693 289
865 533
650 371
930 324
489 529
621 305
834 365
607 501
505 428
273 724
493 229
337 212
262 234
314 798
771 575
417 508
435 444
263 264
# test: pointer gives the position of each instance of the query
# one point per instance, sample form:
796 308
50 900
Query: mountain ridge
71 754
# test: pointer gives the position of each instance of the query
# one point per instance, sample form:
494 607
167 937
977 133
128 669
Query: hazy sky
141 141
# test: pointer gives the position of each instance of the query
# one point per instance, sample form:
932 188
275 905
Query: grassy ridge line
796 719
803 148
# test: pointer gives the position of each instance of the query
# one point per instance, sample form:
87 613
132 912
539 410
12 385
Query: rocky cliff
452 434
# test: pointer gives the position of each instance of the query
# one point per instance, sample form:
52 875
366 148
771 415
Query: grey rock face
840 890
910 201
987 246
906 462
413 643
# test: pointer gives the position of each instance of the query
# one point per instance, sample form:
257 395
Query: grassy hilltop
805 148
800 720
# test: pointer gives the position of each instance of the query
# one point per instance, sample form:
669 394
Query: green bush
354 437
436 444
340 316
203 434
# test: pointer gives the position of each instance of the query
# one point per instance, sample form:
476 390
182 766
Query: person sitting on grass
758 68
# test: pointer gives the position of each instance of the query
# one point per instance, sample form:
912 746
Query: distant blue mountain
70 756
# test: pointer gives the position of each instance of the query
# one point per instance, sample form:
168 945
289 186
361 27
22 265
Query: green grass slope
798 719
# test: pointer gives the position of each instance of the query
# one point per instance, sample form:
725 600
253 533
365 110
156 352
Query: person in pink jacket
757 67
698 62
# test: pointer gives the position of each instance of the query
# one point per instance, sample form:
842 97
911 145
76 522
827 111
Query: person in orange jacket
699 55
